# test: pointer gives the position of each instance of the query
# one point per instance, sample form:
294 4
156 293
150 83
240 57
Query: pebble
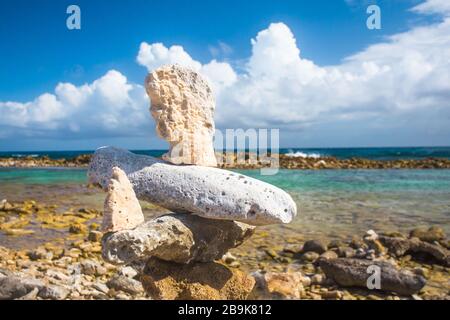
125 284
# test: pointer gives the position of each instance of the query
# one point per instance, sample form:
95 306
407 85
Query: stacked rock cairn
212 210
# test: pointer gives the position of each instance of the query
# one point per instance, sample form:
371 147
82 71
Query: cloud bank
400 84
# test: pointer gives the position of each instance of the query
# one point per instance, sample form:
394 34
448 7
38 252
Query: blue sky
39 54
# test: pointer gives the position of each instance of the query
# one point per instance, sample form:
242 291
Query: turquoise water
331 203
385 153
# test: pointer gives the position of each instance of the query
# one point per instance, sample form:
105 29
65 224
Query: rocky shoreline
285 162
415 266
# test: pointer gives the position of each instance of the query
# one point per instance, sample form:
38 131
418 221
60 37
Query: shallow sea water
331 203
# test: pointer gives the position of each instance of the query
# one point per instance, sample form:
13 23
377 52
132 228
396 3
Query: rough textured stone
16 286
180 238
208 192
182 104
279 285
197 281
315 246
429 235
122 210
400 246
353 273
54 292
125 284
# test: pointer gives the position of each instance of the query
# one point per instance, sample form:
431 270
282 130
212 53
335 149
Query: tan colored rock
182 104
197 281
122 210
181 238
280 285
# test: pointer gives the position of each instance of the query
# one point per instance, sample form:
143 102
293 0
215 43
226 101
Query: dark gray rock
355 273
125 284
400 246
16 286
317 246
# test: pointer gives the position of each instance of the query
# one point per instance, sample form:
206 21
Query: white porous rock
182 104
180 238
207 192
122 210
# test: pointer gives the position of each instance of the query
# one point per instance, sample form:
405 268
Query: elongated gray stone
355 273
181 238
207 192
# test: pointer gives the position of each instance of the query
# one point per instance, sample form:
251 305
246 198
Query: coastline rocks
429 235
164 280
354 273
122 210
182 104
125 284
400 246
317 246
16 286
280 285
180 238
207 192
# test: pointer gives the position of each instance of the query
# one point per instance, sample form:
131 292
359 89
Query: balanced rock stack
213 210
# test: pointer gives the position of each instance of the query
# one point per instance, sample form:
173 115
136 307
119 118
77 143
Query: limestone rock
125 284
354 273
197 281
180 238
122 210
182 104
279 285
16 285
429 235
400 246
207 192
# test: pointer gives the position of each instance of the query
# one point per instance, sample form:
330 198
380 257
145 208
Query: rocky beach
185 226
70 265
285 162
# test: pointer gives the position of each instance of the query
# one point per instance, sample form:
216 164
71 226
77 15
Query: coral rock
182 104
122 210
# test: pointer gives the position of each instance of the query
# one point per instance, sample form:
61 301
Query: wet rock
310 256
182 104
317 246
40 253
125 284
346 252
208 192
429 235
279 285
164 280
77 228
354 273
401 246
329 255
95 236
180 238
122 210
